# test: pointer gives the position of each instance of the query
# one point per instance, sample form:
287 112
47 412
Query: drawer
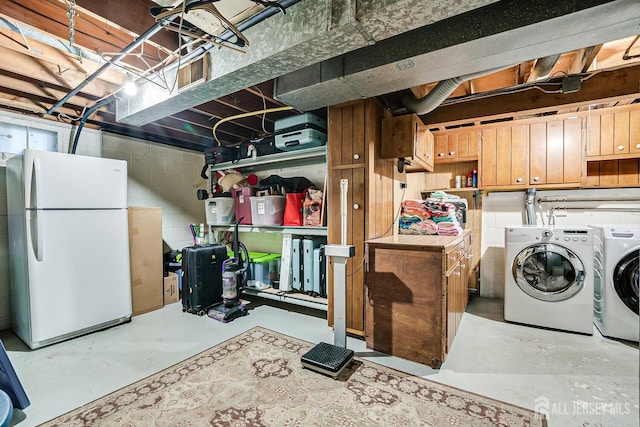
453 256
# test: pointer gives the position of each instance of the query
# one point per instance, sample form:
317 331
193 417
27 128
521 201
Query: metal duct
442 90
530 213
543 67
498 34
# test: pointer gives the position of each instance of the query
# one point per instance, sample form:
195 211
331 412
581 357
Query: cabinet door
634 132
455 303
556 152
613 133
503 161
424 147
346 144
456 146
406 137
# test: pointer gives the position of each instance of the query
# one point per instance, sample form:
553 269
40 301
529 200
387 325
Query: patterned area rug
256 379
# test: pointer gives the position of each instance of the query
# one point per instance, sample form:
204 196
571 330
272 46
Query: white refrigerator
68 244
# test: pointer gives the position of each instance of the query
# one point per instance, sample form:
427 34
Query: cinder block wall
158 176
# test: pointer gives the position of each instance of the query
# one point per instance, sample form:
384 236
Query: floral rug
256 379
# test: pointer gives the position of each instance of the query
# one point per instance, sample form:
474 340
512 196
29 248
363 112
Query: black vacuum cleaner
233 275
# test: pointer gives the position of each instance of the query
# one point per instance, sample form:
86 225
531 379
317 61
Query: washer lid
626 276
548 272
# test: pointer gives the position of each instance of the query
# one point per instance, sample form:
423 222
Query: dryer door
625 280
548 272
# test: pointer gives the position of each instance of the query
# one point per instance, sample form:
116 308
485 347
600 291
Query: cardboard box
171 293
145 253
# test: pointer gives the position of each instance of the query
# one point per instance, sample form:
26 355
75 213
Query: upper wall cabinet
504 158
459 145
408 140
532 153
614 133
555 152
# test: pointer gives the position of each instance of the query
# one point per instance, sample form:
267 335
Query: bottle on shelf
200 239
474 178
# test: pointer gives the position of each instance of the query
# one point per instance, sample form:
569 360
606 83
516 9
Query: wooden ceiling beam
174 127
45 93
602 86
89 33
61 62
583 59
219 111
134 16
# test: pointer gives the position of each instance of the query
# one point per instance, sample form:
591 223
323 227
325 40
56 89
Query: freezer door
78 270
70 181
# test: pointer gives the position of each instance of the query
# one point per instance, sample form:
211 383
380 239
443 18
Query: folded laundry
449 228
420 227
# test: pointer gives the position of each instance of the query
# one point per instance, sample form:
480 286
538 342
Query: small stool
6 409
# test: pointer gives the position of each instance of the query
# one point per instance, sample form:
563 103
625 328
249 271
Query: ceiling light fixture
130 87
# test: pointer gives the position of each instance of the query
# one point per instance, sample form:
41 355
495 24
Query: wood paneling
355 129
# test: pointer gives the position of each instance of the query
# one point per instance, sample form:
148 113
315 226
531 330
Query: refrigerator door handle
35 183
35 233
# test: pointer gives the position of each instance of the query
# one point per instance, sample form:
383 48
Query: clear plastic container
267 210
220 210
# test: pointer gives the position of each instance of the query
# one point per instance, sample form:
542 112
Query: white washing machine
617 256
549 277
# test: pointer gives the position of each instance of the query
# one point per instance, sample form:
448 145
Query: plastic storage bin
242 204
267 210
220 211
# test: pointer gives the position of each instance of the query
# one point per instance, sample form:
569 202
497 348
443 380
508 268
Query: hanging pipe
84 119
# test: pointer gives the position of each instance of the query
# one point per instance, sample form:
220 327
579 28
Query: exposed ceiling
39 67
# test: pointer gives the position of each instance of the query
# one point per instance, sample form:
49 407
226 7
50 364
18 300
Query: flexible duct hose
442 90
530 213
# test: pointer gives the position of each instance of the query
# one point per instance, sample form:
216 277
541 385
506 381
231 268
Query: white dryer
549 277
617 251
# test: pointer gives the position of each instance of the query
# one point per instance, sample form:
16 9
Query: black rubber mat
327 358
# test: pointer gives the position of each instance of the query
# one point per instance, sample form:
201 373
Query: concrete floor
582 380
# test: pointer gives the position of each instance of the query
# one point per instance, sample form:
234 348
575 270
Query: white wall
158 176
501 209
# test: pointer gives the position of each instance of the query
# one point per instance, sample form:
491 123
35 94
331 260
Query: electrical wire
383 234
264 106
239 116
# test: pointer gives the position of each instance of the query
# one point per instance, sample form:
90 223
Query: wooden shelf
282 229
289 297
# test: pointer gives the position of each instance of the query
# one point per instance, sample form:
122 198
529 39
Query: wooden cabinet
407 138
459 145
504 157
416 294
546 153
370 195
613 133
555 152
